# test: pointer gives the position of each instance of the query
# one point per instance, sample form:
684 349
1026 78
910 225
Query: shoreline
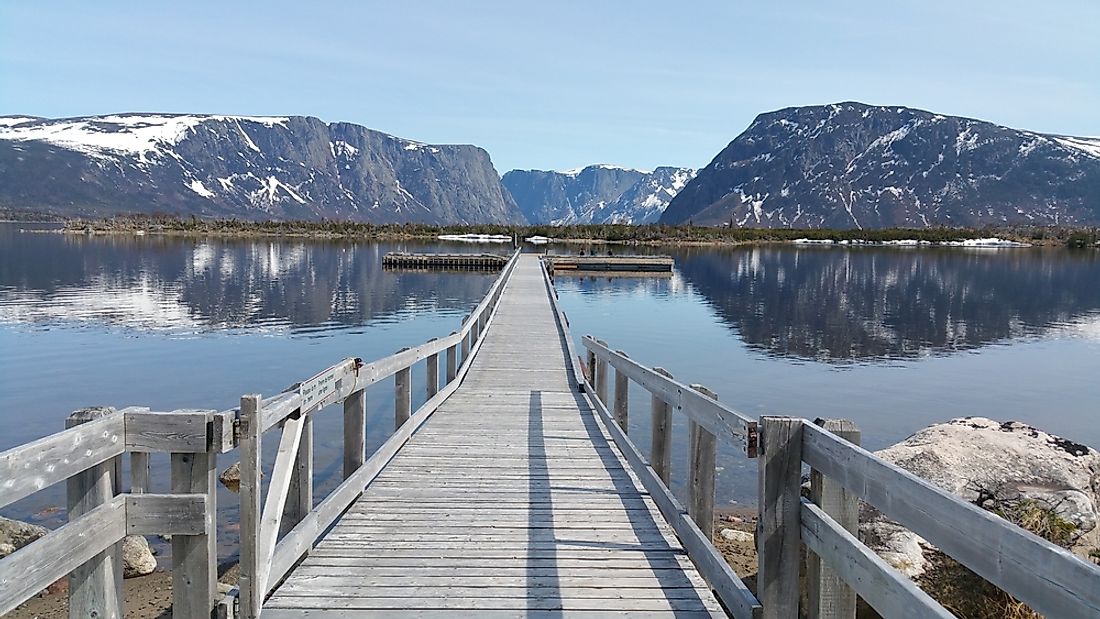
616 235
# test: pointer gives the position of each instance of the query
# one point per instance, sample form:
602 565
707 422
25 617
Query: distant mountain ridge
598 193
292 167
852 165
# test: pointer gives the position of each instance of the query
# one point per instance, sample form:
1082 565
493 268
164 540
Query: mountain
293 167
851 165
595 194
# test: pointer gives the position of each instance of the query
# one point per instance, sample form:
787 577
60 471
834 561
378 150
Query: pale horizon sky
556 85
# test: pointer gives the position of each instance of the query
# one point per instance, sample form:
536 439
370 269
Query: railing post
95 588
829 596
139 472
466 341
779 530
622 397
195 557
299 498
660 450
402 396
250 586
601 376
591 367
432 371
475 330
702 447
452 362
355 431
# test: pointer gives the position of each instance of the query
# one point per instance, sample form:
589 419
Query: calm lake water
892 338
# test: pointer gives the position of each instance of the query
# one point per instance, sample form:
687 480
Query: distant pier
461 262
610 264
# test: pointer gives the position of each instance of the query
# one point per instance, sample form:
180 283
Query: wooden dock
456 262
610 264
514 490
511 498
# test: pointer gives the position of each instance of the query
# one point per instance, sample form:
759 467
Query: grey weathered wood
601 377
701 470
299 498
452 362
465 346
778 539
431 379
355 431
166 514
195 556
177 431
590 367
717 418
251 593
622 398
995 549
95 587
34 567
402 397
139 472
884 588
278 489
660 451
28 468
829 596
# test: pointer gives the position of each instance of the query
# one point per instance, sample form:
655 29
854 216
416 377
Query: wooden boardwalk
511 500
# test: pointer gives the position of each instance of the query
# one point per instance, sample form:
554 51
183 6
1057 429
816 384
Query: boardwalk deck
511 500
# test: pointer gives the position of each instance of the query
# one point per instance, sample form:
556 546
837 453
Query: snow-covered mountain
851 165
595 194
247 167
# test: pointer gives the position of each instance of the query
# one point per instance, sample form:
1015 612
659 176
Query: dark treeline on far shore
614 233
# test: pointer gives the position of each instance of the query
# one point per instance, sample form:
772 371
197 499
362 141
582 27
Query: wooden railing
88 457
277 532
1049 579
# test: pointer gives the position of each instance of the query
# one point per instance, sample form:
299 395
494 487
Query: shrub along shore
648 234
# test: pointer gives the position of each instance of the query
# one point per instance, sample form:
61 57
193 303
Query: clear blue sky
555 85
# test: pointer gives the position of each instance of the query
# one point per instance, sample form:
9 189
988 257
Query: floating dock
462 262
612 264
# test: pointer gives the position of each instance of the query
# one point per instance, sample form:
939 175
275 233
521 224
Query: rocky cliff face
852 165
246 167
595 194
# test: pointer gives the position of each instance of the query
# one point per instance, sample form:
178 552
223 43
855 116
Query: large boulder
982 460
15 534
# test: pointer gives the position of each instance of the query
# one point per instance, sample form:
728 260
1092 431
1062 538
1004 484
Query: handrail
720 420
287 509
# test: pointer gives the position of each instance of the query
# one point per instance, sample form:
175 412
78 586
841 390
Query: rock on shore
975 455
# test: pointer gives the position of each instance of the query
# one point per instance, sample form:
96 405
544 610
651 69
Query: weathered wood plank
166 514
299 500
35 566
250 584
884 588
195 553
622 399
177 431
702 452
829 596
95 587
277 491
778 539
28 468
402 406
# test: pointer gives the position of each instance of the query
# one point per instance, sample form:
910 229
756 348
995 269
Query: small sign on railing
318 388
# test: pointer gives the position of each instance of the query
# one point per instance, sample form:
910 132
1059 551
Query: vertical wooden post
355 431
251 585
475 330
779 531
95 588
622 397
701 468
591 367
466 346
299 498
195 557
139 472
660 450
432 366
402 396
601 376
829 596
452 363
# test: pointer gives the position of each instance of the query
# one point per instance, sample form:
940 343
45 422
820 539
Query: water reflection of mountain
174 283
849 305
